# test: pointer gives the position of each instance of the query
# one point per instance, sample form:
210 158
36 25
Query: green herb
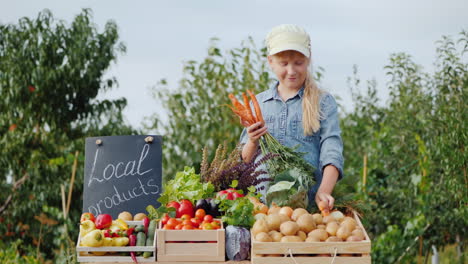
239 212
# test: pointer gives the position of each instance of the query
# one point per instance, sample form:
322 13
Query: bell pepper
87 216
107 233
120 241
130 231
93 239
103 221
86 227
107 243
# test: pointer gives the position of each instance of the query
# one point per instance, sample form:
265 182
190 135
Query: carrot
235 102
247 105
258 111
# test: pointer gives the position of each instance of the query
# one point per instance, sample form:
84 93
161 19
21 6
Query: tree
50 75
415 151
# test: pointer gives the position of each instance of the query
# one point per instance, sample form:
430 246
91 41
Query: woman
297 112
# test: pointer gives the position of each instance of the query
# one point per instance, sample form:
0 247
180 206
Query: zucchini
141 239
139 228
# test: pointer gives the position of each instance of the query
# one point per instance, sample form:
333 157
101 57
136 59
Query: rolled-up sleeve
331 144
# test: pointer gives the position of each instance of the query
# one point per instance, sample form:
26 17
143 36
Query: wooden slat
190 235
310 247
310 260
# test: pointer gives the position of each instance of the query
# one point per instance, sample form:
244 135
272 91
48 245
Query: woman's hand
326 200
256 131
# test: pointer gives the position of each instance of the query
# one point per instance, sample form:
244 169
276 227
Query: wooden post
364 174
72 181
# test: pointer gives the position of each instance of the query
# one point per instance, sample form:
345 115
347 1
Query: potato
343 232
260 216
277 237
126 216
312 239
284 218
349 223
260 226
321 227
298 212
274 209
286 210
334 239
306 223
272 232
291 239
302 235
319 233
332 227
327 219
273 221
260 208
289 228
318 219
358 233
339 216
354 239
139 217
263 237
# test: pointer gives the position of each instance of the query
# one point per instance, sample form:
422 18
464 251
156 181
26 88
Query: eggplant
214 208
202 204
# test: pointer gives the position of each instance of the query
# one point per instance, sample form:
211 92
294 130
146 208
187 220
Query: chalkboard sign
122 173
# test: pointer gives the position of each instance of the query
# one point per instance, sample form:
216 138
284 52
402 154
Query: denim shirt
284 122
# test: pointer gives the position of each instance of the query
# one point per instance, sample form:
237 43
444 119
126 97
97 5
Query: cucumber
147 254
141 239
139 228
151 230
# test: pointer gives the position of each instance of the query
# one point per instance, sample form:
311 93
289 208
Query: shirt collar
272 93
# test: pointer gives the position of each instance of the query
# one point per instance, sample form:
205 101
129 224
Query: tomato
168 227
178 227
187 227
185 208
103 221
187 222
208 219
87 216
185 217
200 213
207 226
173 222
195 222
164 219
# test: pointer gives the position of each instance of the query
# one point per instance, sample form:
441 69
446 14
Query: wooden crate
190 246
113 254
308 252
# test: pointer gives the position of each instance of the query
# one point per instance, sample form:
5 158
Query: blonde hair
311 113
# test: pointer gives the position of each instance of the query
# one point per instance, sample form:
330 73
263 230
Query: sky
161 35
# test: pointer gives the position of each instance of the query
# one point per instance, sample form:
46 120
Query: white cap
288 37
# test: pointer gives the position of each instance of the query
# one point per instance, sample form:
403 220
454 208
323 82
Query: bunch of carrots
287 156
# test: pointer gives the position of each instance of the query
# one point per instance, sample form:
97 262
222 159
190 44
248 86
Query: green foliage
9 254
415 149
50 75
239 212
197 112
186 185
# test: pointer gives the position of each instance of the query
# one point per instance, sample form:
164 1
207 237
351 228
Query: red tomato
207 226
187 222
185 208
200 213
103 221
178 227
187 227
208 219
173 222
185 217
87 216
195 222
168 227
164 219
